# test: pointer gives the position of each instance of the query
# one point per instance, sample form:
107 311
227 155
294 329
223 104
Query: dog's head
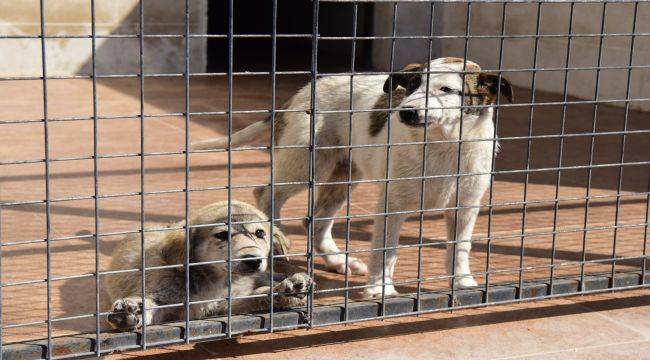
446 93
250 238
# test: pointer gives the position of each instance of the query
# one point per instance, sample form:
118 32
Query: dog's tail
244 136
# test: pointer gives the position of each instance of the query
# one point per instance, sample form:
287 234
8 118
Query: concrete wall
450 19
412 20
22 57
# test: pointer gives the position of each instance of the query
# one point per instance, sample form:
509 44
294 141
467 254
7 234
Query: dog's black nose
409 116
251 264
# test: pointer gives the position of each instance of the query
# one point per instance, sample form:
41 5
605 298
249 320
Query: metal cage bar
274 36
229 185
143 261
313 107
528 151
454 230
48 218
386 187
348 195
504 12
95 177
424 157
621 159
186 226
565 95
592 140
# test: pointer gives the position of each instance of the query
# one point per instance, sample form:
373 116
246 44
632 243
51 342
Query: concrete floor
72 184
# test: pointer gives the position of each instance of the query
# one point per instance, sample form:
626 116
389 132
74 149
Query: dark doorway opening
293 53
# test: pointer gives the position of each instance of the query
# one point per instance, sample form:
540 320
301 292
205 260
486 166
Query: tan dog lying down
250 246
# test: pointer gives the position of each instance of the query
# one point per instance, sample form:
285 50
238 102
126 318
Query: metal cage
586 241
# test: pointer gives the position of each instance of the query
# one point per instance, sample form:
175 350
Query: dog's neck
200 276
474 126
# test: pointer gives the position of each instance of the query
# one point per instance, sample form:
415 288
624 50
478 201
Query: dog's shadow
78 298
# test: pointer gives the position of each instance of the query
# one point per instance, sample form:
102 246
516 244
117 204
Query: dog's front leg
291 292
381 272
459 232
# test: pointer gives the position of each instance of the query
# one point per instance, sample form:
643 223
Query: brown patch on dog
400 85
379 118
173 252
483 89
331 196
488 84
402 78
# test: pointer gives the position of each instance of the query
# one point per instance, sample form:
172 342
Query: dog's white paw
292 291
126 314
355 266
374 292
466 281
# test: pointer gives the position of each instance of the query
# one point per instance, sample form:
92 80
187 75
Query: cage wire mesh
92 157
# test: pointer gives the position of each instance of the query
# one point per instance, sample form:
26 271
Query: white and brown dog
410 96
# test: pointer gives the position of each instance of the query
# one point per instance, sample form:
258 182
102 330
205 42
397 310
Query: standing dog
250 243
444 96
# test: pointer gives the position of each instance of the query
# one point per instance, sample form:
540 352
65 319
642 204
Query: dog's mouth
244 271
409 116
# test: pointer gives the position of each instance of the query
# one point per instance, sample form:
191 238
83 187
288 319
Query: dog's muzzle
409 116
250 264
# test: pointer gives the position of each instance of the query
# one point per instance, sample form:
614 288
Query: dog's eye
260 233
221 235
448 90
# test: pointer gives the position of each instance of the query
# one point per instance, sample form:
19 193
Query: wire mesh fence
383 130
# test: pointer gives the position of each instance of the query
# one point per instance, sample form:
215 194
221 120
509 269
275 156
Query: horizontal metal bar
482 1
349 217
213 113
346 74
494 239
280 147
327 38
365 181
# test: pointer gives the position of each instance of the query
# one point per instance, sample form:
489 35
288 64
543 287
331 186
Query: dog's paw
126 314
355 266
292 291
375 291
465 281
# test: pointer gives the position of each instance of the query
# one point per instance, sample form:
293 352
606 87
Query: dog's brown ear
401 78
487 85
281 244
173 250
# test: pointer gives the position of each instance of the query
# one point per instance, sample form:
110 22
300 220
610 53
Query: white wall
518 53
22 57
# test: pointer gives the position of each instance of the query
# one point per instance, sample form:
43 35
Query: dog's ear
401 78
487 85
173 250
281 244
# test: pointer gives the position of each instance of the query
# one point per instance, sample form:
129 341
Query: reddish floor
72 186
